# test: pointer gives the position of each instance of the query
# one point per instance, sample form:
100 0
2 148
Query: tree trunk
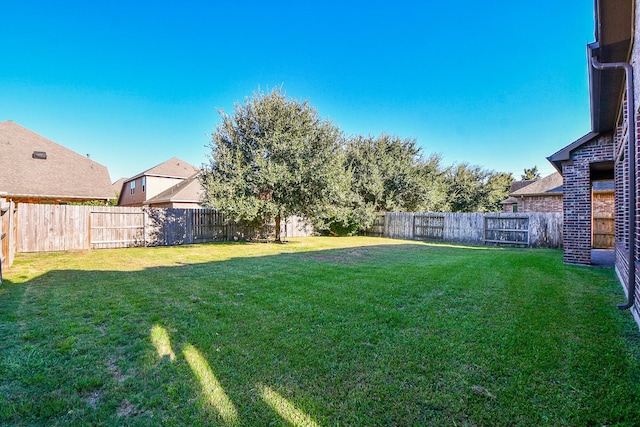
278 240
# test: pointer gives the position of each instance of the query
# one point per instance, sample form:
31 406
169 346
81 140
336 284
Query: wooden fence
603 231
526 229
44 228
7 234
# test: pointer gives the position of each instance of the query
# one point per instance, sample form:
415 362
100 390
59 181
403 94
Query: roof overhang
54 197
564 154
614 34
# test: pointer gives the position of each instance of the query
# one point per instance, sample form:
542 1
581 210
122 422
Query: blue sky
499 84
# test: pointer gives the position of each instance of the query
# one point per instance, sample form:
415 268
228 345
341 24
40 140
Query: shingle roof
62 174
117 186
509 201
549 185
189 190
172 168
516 185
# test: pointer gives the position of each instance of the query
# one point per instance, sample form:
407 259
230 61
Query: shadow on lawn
346 336
116 345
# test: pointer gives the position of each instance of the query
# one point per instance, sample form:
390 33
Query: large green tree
390 174
473 189
275 157
530 174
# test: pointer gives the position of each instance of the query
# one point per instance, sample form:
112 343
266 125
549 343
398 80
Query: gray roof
549 185
516 185
32 166
172 168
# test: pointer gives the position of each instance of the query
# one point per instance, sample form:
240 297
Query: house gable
36 169
136 191
188 193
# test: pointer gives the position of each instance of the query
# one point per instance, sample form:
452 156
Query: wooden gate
506 230
603 232
117 229
428 226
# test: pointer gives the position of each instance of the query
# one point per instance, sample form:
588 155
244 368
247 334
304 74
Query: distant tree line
275 157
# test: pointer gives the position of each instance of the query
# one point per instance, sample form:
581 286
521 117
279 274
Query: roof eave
564 154
614 34
53 196
555 193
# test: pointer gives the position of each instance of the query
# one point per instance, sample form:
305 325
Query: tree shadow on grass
372 335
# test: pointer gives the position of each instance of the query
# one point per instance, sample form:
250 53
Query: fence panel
506 230
428 226
603 232
44 228
529 229
7 234
296 226
464 228
545 230
377 228
208 226
4 239
116 228
399 225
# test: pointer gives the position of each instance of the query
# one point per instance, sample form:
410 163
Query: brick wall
622 237
540 203
577 197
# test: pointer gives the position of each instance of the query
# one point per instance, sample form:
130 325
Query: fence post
13 226
144 227
89 229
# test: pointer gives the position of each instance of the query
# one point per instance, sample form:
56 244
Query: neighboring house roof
172 168
188 191
117 186
32 166
509 201
516 185
547 186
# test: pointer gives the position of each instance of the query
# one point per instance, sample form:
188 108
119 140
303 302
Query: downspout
631 144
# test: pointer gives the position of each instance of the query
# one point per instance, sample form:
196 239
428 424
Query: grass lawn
320 331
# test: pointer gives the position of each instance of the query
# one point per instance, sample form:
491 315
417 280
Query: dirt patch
128 409
346 256
115 370
93 398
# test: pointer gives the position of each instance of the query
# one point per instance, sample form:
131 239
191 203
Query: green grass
320 331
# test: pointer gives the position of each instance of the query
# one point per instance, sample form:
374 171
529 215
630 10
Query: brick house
34 169
609 151
546 195
169 184
542 195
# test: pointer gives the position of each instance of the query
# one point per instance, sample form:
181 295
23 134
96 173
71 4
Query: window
515 208
144 183
132 187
